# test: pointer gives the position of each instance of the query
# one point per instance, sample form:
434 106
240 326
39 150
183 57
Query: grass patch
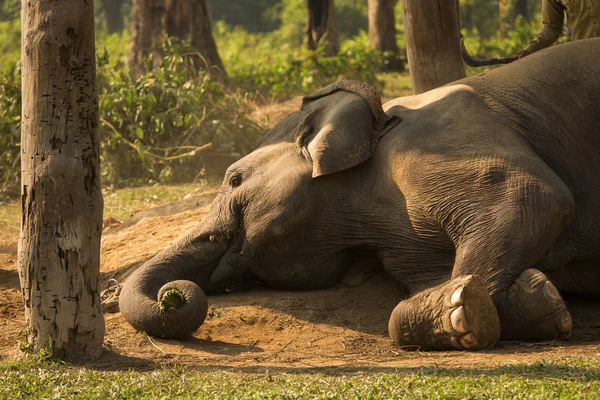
395 84
574 378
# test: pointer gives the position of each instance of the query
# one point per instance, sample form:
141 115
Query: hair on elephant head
272 217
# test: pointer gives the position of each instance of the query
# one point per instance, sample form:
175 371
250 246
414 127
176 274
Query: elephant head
273 219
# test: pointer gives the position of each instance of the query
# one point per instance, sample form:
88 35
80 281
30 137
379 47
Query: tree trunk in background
466 15
322 26
189 20
432 43
186 20
503 6
113 12
520 8
147 31
59 244
382 32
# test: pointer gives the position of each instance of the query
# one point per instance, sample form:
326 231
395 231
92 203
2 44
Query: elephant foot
459 314
534 310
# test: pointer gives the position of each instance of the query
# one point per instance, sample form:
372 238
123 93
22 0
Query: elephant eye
235 181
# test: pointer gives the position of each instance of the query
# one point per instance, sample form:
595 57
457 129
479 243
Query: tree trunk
502 14
147 31
189 20
59 244
382 33
322 26
432 43
520 9
186 20
113 12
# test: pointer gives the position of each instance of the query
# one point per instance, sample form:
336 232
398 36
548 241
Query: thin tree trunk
189 20
147 31
503 6
113 12
186 20
432 43
59 244
520 9
322 26
382 33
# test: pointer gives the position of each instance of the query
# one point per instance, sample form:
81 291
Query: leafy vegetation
170 117
573 378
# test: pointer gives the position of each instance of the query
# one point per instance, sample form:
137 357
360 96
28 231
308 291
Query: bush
171 123
10 131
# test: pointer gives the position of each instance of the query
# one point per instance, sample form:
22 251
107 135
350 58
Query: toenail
551 293
456 299
459 320
566 323
469 341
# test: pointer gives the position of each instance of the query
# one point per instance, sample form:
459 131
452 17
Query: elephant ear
342 126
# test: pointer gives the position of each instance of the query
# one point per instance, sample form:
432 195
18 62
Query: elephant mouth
232 266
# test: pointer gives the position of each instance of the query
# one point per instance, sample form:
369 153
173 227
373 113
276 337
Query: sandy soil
342 328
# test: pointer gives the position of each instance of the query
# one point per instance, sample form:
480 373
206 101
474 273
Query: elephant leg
457 314
543 313
506 241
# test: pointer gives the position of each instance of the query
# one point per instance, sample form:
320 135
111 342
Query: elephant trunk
165 296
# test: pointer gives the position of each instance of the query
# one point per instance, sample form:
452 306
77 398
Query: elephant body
481 197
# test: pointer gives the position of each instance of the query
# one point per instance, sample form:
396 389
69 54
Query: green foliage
10 44
167 124
267 64
10 131
10 10
576 378
170 125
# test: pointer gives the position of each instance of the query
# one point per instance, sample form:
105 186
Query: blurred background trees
166 118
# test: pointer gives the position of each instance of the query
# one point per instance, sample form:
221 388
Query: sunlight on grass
575 378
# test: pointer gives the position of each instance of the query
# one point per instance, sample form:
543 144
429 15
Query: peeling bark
432 43
59 244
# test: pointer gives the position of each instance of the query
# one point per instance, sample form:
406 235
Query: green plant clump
170 123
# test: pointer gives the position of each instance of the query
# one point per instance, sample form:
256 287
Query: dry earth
342 328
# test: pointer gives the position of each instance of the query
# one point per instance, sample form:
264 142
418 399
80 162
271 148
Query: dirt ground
341 328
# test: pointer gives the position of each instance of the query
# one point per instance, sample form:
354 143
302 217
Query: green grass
569 379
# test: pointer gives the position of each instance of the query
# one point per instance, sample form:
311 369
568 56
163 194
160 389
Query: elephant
480 197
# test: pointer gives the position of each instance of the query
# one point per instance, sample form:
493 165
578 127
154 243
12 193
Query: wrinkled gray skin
481 197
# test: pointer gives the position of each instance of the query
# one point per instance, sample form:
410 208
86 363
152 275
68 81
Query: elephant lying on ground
481 197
